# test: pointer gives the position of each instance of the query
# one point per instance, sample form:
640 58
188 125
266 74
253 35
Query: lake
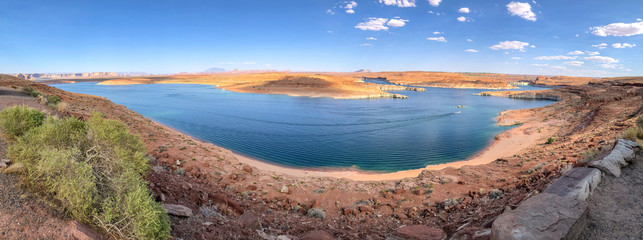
383 135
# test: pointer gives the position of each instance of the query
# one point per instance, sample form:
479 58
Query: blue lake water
376 134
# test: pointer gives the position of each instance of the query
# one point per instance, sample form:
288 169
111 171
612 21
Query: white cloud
435 3
639 20
366 45
399 3
592 53
516 58
559 67
601 59
575 63
462 19
576 53
373 24
540 64
623 45
516 45
600 46
469 40
559 57
521 9
471 50
436 33
618 29
439 39
397 22
330 12
464 10
608 65
349 7
371 38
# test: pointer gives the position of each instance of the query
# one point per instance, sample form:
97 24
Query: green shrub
95 171
549 141
31 91
71 183
639 122
53 99
589 155
16 120
632 133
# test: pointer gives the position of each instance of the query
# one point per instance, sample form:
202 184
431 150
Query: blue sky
572 37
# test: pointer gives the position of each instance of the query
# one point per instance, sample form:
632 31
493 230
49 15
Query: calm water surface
377 134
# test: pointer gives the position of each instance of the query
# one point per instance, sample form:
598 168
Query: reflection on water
371 134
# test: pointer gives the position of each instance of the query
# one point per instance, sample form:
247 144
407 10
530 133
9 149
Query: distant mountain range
214 70
363 70
45 76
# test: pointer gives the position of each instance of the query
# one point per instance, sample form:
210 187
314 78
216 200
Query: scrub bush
95 171
31 92
16 120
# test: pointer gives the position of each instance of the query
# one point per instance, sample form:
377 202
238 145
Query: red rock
420 232
314 204
249 220
364 209
348 211
317 235
251 187
399 191
247 169
222 201
280 198
83 232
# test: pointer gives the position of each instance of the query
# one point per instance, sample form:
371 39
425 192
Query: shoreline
505 144
511 142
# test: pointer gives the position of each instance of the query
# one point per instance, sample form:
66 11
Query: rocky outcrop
544 216
577 183
561 211
622 153
535 95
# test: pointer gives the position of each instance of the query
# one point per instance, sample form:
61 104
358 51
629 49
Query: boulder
178 210
249 220
623 152
420 232
247 169
544 216
284 189
472 233
82 232
317 235
577 183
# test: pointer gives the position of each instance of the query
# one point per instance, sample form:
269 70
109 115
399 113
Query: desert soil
616 207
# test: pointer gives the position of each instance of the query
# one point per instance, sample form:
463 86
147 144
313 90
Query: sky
596 38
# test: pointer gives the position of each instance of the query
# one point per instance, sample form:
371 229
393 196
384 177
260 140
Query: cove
383 135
